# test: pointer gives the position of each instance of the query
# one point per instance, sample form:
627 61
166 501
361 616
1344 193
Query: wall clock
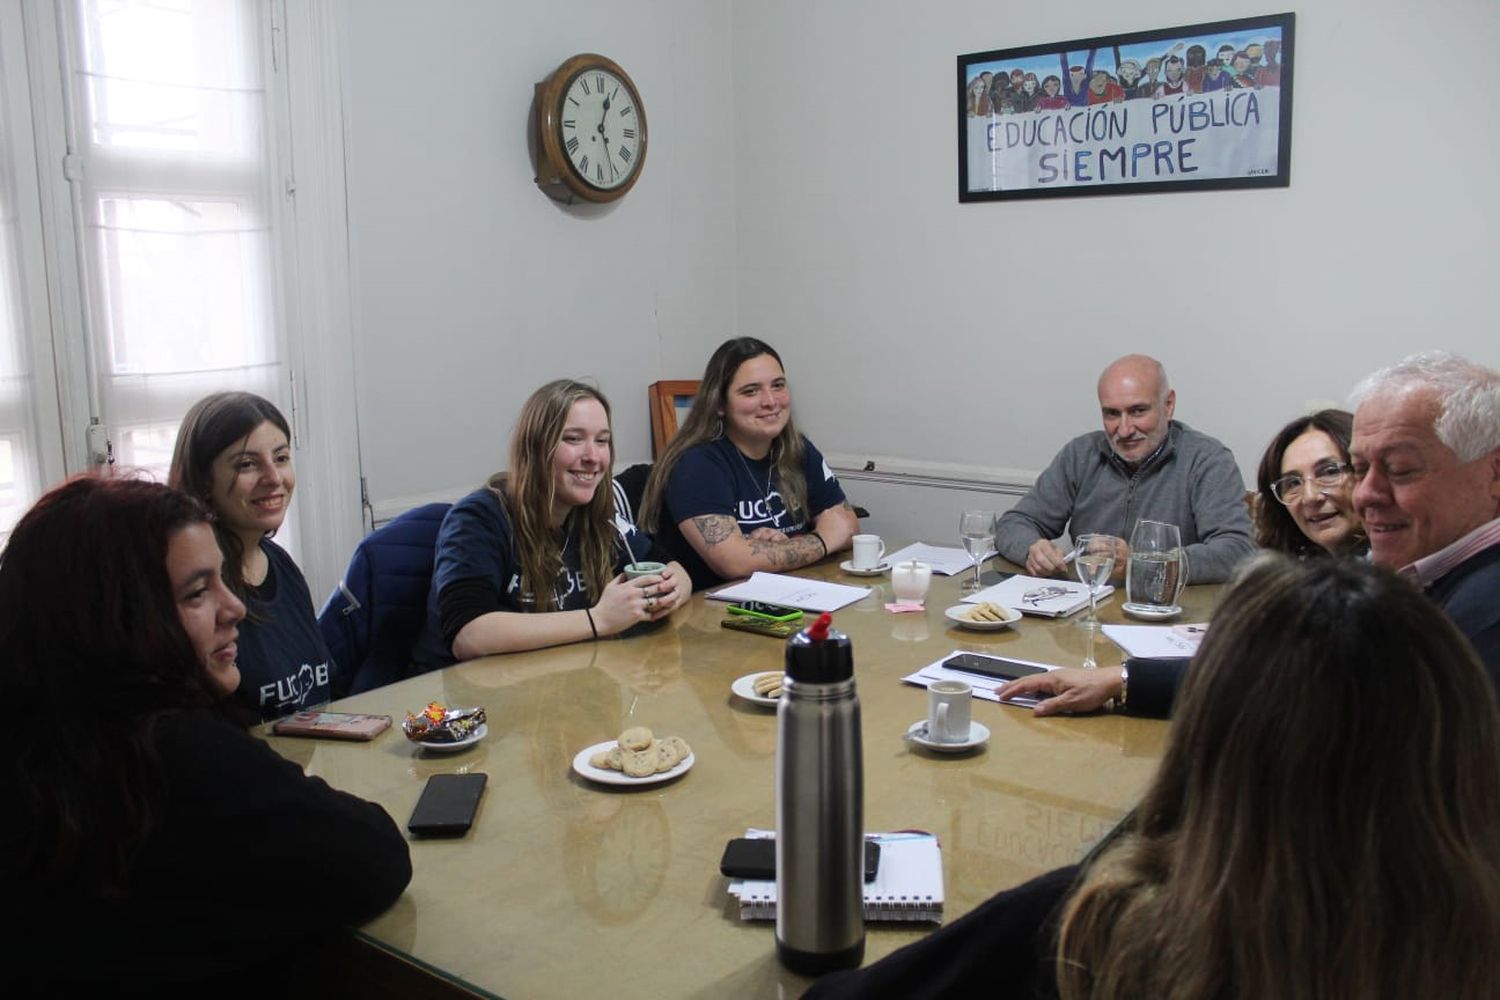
591 130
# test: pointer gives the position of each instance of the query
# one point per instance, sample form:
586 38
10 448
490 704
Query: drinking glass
1094 561
1157 570
977 529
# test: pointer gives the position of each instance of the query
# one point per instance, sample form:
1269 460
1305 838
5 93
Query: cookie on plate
636 738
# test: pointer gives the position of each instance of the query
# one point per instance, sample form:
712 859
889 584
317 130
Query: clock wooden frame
555 173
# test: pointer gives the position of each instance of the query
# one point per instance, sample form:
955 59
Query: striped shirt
1432 568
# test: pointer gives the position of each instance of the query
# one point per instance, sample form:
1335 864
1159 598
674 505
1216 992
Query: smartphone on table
755 858
992 666
332 725
766 612
447 805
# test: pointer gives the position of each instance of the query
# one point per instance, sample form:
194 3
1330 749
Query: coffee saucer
879 569
979 735
1150 612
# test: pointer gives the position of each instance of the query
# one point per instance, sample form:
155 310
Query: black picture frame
1127 132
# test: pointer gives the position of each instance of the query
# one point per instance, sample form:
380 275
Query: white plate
605 776
880 568
979 735
1150 612
467 741
954 614
745 688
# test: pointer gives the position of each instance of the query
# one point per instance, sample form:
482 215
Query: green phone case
761 626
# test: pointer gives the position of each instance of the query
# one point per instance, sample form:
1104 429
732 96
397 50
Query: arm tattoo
715 527
788 554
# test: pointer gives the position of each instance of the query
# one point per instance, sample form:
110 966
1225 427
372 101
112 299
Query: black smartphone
991 666
755 858
769 612
447 805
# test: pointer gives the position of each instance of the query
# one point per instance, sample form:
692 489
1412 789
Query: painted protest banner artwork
1200 106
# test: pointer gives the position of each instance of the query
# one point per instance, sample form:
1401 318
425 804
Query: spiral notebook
908 886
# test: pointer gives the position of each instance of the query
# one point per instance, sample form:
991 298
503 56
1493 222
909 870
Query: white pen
1069 557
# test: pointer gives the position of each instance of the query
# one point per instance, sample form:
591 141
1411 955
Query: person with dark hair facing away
739 489
1325 822
535 557
1304 502
234 453
151 842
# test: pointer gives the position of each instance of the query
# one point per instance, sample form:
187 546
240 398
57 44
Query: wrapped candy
436 724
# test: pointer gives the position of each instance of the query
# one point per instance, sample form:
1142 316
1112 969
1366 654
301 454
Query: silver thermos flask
820 804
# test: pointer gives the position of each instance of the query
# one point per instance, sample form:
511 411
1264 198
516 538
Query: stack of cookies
638 753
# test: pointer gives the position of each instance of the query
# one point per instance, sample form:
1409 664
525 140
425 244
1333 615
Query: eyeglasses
1328 476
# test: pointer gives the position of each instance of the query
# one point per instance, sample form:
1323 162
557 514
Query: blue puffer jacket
375 614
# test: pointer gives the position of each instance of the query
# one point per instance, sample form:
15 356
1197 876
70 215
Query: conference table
568 888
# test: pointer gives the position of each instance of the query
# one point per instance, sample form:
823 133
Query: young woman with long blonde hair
534 558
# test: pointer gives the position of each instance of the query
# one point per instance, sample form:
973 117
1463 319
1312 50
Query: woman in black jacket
152 840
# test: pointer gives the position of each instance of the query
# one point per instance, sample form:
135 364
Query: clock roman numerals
598 123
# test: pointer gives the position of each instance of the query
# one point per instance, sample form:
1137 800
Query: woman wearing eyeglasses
1306 494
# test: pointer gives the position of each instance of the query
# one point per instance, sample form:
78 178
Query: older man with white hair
1426 457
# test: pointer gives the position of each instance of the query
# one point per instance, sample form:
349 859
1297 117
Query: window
170 131
150 141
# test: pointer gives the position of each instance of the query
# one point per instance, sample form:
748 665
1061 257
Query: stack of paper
908 884
793 591
1032 595
944 560
1156 640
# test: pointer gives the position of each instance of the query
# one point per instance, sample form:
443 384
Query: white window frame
311 267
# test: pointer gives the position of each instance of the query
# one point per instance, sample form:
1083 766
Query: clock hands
605 136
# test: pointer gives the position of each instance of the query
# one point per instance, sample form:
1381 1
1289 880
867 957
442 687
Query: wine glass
977 529
1094 561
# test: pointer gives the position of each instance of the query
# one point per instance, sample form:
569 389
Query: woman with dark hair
1325 823
739 489
234 453
535 557
1305 494
149 839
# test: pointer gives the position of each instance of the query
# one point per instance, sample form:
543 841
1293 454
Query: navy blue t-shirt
476 543
716 478
284 663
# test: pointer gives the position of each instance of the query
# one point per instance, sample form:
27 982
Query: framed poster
1173 109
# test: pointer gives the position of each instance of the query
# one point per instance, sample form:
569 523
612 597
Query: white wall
917 327
471 287
801 187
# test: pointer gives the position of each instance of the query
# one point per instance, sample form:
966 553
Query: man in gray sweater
1142 465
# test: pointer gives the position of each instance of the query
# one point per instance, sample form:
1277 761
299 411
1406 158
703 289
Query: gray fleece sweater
1192 481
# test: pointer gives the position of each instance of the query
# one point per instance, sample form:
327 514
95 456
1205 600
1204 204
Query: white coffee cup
949 704
868 551
910 580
